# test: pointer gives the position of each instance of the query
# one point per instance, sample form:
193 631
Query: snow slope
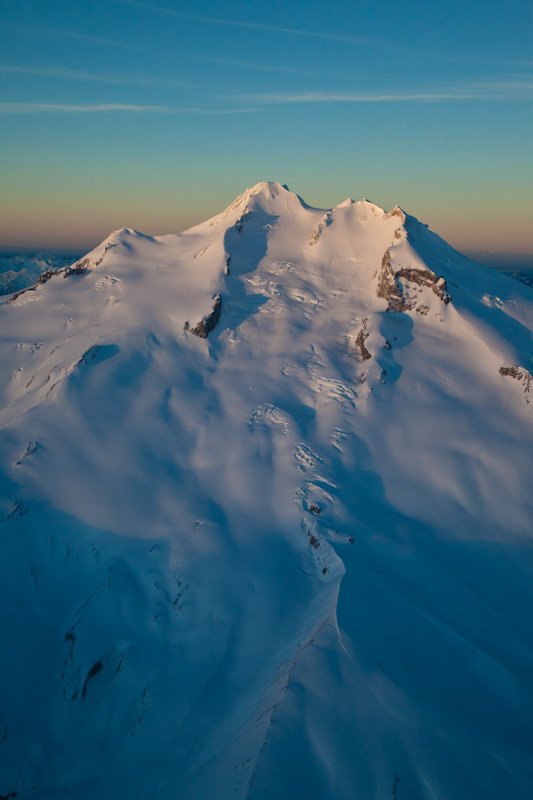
290 559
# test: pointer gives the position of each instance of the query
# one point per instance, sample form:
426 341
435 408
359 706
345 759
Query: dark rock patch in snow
17 510
31 448
79 268
396 212
391 285
324 222
238 225
521 375
207 324
313 541
95 669
361 338
388 289
97 352
426 278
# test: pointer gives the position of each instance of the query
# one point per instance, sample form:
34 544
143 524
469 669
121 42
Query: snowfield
266 516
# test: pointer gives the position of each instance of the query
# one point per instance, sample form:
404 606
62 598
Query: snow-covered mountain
266 527
21 271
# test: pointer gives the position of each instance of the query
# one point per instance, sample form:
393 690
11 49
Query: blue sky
156 115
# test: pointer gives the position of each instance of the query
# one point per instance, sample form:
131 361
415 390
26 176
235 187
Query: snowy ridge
289 556
19 272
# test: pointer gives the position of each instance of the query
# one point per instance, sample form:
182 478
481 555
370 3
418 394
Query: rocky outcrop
387 286
79 268
521 375
324 222
241 221
396 212
362 336
391 285
424 277
206 325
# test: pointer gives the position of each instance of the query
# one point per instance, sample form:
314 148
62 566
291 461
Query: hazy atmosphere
155 116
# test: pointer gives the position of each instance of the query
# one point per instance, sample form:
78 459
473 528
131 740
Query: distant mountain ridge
265 522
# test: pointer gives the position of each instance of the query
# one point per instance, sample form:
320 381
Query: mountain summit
266 515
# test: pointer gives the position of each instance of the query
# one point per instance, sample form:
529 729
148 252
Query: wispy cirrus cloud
57 33
108 77
103 108
51 108
260 67
506 90
495 90
363 41
261 26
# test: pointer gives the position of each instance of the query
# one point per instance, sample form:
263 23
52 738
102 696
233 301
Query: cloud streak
362 41
57 33
498 90
111 78
104 108
234 23
259 67
55 108
501 91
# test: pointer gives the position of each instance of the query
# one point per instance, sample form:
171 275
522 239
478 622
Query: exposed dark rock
390 285
95 669
396 212
387 286
324 222
313 541
315 509
521 375
17 510
244 218
79 268
206 325
89 355
426 278
30 450
361 338
22 291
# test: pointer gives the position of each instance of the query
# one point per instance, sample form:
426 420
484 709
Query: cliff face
400 287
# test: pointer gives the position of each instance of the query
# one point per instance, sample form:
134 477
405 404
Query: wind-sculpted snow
290 559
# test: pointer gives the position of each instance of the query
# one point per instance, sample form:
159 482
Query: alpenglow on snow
266 515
